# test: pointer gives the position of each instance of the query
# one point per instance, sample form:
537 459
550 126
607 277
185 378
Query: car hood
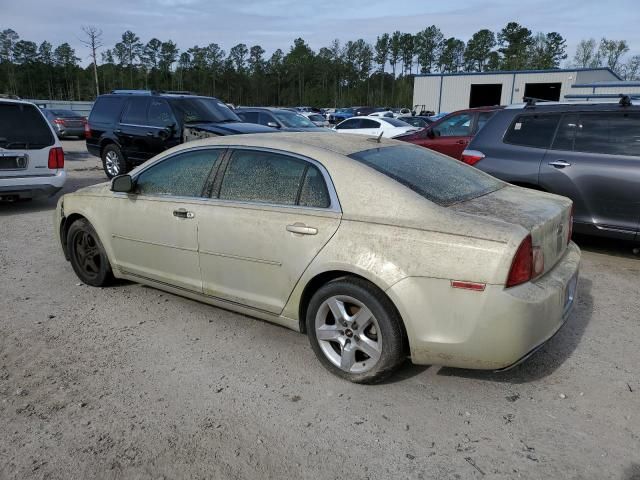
231 128
97 189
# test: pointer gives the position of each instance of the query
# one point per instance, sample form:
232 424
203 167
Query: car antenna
379 137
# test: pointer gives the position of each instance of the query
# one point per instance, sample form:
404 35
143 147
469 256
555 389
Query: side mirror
273 125
122 184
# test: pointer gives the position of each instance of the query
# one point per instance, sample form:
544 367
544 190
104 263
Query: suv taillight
522 265
56 158
471 157
87 129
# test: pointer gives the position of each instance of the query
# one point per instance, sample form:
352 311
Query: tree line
341 74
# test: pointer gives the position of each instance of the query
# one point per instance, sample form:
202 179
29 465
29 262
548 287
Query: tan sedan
377 249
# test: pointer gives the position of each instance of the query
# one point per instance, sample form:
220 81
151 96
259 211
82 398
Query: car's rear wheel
113 161
354 330
88 257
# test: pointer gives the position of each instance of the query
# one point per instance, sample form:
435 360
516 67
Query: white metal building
446 92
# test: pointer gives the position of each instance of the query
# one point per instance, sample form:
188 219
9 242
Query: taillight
87 129
56 158
573 206
522 265
58 121
471 157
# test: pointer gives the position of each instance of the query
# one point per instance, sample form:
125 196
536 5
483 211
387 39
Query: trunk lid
544 215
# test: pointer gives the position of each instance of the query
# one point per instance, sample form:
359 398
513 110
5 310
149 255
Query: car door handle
117 130
149 134
302 229
183 213
559 164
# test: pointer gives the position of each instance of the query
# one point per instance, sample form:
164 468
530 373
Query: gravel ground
130 382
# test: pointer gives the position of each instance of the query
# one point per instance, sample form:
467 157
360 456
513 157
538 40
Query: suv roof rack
10 96
531 101
177 92
134 92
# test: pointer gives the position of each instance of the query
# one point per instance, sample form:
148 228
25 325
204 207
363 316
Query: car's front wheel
88 257
354 330
113 161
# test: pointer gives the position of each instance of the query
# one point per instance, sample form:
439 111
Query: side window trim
334 203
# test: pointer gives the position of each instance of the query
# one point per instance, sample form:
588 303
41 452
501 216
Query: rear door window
263 177
22 127
366 123
532 130
250 117
160 114
613 133
438 178
136 111
106 110
566 132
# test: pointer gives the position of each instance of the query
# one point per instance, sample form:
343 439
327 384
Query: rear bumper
491 330
33 186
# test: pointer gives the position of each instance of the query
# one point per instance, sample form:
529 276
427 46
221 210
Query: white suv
31 156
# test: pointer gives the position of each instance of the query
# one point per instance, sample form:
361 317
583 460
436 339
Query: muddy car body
422 256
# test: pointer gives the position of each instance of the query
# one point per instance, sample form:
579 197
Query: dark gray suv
589 152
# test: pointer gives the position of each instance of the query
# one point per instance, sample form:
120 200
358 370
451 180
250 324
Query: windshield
22 127
207 110
438 178
316 118
294 120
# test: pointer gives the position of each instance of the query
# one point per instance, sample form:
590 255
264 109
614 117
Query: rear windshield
396 122
64 113
438 178
22 127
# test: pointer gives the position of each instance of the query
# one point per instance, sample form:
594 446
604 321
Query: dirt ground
132 383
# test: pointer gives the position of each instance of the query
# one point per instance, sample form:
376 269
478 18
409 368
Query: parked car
317 119
278 118
417 120
588 152
128 127
388 127
31 156
451 134
364 111
341 114
422 256
66 123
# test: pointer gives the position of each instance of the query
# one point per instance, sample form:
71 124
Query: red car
452 133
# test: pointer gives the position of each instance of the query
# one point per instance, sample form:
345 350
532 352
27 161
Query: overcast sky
275 23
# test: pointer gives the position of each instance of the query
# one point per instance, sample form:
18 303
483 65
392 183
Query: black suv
589 152
128 127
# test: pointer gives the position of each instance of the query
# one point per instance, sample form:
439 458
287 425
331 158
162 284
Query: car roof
13 100
570 107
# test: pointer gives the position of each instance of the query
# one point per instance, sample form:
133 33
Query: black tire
390 347
113 161
87 255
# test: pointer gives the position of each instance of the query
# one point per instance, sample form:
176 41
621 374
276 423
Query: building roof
517 72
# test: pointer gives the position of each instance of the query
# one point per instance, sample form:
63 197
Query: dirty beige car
378 250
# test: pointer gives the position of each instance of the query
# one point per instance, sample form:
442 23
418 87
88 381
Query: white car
31 156
389 127
384 114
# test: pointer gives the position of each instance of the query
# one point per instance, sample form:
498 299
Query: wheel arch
531 186
322 278
65 223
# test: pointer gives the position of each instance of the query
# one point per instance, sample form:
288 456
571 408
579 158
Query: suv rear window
438 178
22 127
532 130
106 110
613 133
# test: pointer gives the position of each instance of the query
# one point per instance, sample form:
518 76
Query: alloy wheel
112 163
87 254
348 334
